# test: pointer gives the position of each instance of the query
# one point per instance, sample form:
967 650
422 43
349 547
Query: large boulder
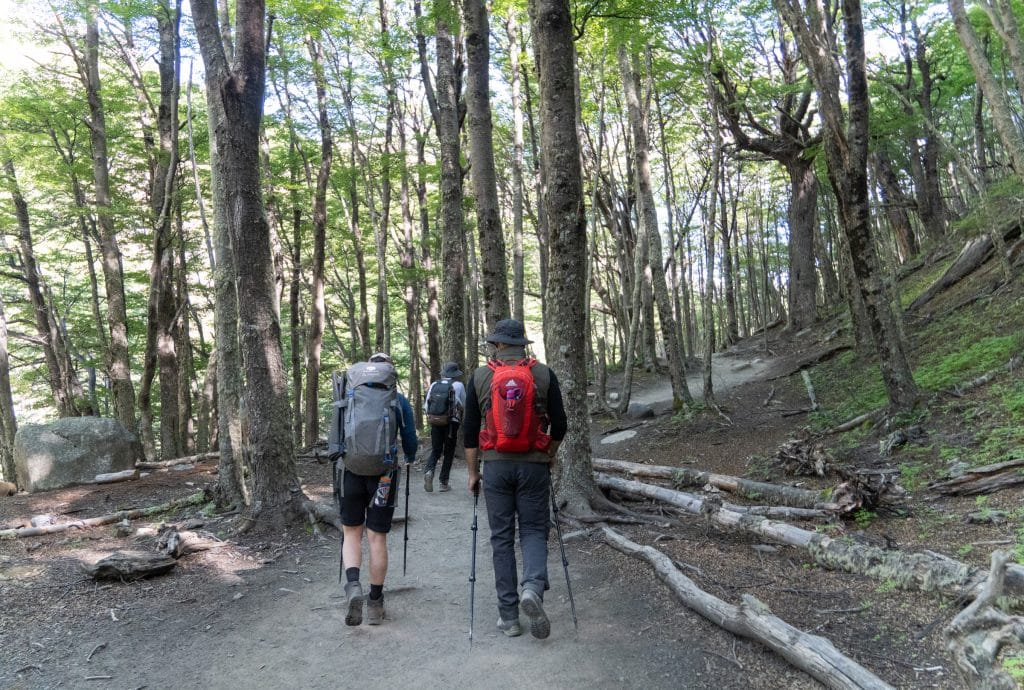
72 450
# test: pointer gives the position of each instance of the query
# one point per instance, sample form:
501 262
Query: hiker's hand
553 449
474 482
409 460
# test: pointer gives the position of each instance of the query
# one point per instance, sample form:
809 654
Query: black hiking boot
540 626
354 592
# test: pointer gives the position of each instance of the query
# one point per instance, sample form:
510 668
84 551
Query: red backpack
513 423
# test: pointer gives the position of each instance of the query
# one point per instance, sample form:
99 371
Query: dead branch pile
803 455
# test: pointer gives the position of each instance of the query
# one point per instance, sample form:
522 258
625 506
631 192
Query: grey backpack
366 418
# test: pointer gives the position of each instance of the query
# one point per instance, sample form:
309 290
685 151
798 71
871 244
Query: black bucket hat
451 370
510 332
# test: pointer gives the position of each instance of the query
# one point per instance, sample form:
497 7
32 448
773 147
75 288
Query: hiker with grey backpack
368 418
444 406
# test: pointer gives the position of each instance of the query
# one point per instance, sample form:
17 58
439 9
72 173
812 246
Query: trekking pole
565 562
405 546
472 567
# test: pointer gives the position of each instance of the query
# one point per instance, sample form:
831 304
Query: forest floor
270 613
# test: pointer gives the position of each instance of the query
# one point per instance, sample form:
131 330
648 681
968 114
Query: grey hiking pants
516 490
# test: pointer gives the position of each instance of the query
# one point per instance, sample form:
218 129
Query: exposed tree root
978 633
813 654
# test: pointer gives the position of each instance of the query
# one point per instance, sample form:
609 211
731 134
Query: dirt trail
281 624
727 372
287 629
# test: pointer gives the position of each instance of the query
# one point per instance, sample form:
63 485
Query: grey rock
72 451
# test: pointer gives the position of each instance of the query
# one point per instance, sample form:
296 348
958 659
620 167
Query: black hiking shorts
356 502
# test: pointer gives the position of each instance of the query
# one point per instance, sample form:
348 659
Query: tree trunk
315 335
8 421
237 92
453 283
803 224
846 147
119 362
1002 114
60 372
638 119
518 285
563 205
493 273
896 204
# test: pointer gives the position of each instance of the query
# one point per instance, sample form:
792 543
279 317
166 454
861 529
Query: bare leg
352 551
378 556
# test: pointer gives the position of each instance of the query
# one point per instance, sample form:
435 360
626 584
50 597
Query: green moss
968 358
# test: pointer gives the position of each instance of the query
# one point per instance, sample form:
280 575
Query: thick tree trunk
453 283
315 336
846 148
237 96
803 224
493 273
563 205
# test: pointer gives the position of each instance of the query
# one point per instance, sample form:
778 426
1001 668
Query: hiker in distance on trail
370 476
514 423
444 406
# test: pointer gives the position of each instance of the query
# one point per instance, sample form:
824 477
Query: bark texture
237 91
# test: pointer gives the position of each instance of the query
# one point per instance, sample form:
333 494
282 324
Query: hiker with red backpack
513 425
444 405
369 417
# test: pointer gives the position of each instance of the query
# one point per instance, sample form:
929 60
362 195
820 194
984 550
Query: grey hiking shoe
428 481
510 628
375 611
530 602
445 487
354 592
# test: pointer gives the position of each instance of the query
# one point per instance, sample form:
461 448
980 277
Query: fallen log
978 633
130 565
983 480
872 417
111 477
925 571
16 533
752 619
962 388
747 488
973 255
177 543
187 460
